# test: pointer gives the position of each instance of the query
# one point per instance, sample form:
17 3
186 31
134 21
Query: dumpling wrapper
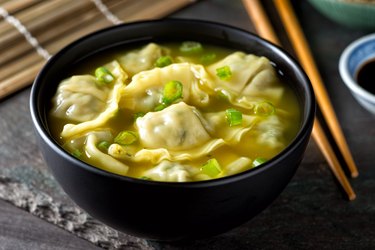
171 172
237 166
231 135
155 156
111 107
177 127
143 59
251 76
102 160
176 133
270 132
78 142
144 92
79 99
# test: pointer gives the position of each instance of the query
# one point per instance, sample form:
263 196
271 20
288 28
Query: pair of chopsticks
300 45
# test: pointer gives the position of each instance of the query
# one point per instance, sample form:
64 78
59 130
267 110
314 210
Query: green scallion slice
160 107
145 178
211 168
138 115
126 138
208 58
172 91
104 145
163 61
103 75
258 161
76 153
234 117
264 109
224 73
191 47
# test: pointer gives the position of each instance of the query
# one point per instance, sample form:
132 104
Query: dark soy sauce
366 76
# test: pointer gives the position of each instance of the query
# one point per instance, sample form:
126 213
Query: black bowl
159 210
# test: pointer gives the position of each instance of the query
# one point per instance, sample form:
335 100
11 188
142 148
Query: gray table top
311 213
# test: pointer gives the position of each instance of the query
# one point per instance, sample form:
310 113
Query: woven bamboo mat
32 30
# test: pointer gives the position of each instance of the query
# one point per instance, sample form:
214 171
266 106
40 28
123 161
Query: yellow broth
226 154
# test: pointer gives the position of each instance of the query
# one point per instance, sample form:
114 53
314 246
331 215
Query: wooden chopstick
323 143
304 54
265 30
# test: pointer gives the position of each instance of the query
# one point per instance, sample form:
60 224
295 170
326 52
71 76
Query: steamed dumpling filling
175 112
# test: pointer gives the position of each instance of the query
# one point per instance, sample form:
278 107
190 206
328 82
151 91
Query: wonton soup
175 112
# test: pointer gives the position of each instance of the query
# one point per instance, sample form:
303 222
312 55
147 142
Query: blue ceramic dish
352 59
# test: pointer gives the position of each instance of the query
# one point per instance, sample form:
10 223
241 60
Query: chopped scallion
264 109
234 117
104 145
145 178
126 138
258 161
103 75
163 61
172 91
160 107
224 73
77 153
191 47
211 168
138 115
208 58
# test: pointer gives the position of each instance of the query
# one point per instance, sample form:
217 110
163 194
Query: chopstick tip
352 197
354 174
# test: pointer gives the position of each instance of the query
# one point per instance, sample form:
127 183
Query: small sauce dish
357 69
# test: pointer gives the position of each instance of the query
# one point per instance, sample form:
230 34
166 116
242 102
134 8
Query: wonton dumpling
117 71
231 135
111 104
144 92
265 84
270 132
251 76
171 171
79 99
144 59
176 127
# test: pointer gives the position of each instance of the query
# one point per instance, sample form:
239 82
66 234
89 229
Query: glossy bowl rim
347 78
305 129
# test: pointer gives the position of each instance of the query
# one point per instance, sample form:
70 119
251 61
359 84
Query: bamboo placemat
31 30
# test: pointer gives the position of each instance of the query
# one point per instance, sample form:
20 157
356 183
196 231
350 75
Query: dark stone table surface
312 212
